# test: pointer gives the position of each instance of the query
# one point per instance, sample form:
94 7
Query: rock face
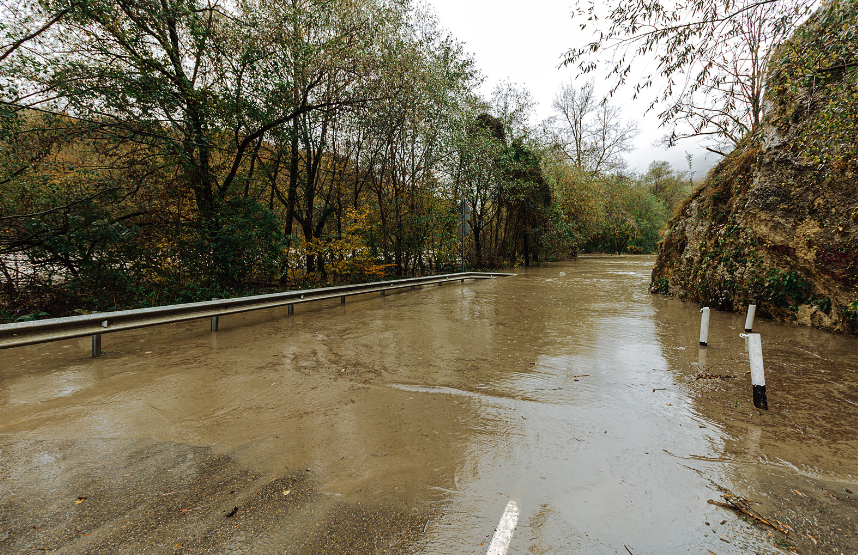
776 222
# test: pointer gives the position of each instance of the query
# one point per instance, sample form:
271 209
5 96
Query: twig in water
627 549
742 505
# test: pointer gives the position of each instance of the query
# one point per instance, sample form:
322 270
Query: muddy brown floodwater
407 423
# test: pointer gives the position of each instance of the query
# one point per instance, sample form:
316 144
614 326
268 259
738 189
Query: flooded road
566 399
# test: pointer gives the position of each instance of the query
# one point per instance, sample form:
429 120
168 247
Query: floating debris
742 505
708 376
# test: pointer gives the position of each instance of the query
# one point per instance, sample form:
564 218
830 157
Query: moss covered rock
775 222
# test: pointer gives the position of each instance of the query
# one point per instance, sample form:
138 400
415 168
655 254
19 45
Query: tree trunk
526 249
293 182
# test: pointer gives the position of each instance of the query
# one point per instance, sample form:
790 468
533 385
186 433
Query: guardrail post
215 319
382 293
749 321
96 345
412 288
343 299
704 326
290 309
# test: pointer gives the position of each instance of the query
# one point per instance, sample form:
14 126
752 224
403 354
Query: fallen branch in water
743 506
708 376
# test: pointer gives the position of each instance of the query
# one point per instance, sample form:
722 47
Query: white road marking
503 533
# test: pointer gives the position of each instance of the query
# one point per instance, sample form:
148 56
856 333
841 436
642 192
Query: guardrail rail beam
54 329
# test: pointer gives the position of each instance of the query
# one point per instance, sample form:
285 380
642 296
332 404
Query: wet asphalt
407 423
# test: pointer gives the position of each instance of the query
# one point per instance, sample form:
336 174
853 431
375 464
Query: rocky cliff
776 222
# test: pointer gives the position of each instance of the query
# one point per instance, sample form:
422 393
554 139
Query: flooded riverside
409 423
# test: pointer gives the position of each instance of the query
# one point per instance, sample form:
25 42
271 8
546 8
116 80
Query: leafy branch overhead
708 79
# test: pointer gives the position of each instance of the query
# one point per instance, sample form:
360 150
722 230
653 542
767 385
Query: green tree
578 197
198 86
666 184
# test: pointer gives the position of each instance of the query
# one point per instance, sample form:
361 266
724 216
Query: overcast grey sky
524 44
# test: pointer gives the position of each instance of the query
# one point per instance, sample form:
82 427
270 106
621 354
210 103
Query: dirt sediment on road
115 496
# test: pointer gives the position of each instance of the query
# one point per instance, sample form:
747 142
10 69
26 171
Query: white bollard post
704 326
749 321
758 377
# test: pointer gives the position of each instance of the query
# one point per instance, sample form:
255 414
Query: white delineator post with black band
704 326
749 321
758 377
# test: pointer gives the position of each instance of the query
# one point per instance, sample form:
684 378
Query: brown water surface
406 423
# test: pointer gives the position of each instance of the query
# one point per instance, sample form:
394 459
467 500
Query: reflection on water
37 388
568 389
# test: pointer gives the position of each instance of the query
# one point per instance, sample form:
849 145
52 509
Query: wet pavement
410 423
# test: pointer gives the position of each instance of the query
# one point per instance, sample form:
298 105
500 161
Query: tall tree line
155 152
601 205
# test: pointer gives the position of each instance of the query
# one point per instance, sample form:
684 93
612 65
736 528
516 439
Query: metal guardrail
54 329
